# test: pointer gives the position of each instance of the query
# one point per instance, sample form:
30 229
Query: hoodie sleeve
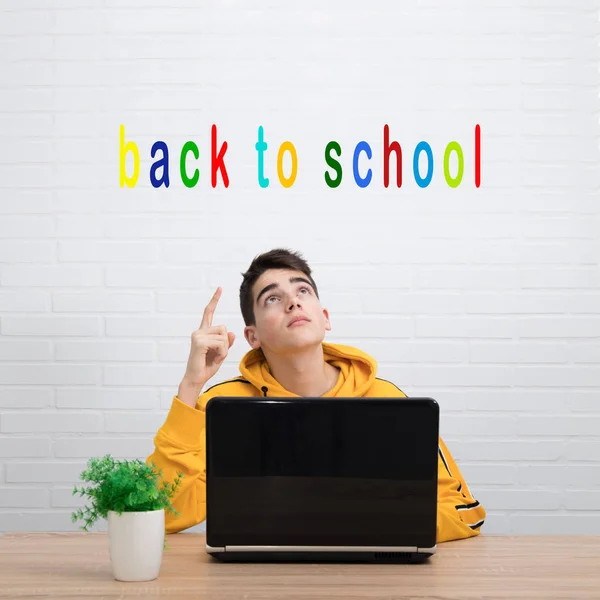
179 446
459 515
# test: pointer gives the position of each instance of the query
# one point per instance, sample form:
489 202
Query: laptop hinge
320 549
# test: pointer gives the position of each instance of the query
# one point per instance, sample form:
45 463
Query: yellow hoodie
180 442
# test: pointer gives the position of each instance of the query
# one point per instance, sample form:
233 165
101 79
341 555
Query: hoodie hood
357 372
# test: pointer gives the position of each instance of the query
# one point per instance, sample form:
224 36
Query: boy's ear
327 321
252 337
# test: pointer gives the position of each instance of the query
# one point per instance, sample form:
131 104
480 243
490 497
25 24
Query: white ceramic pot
136 542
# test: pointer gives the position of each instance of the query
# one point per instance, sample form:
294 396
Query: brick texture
487 299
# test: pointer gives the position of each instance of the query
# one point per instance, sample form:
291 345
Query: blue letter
261 146
163 162
423 146
361 147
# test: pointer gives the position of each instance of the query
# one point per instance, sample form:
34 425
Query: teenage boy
285 327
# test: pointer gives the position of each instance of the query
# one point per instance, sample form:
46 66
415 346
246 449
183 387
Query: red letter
387 150
477 155
217 160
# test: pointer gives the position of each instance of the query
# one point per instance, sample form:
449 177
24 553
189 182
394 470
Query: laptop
321 479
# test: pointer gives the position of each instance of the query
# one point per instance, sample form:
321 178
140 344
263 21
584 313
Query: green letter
461 164
334 164
189 147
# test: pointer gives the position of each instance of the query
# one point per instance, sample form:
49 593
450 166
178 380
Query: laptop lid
321 472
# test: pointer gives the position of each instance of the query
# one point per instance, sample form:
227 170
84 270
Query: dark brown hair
279 258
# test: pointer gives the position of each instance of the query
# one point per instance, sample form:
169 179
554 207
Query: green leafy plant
122 486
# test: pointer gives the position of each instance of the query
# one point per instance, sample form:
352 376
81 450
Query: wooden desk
77 565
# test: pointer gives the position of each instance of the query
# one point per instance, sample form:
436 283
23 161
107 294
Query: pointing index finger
209 311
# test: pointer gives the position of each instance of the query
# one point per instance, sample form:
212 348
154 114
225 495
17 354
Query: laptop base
319 556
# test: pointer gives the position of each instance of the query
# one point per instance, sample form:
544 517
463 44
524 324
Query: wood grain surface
77 565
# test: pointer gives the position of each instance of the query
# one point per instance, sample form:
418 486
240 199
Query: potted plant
132 497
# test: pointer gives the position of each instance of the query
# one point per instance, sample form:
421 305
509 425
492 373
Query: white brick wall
486 299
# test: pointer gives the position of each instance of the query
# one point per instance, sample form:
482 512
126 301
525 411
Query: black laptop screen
314 472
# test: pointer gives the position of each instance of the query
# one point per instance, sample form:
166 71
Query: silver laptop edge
211 549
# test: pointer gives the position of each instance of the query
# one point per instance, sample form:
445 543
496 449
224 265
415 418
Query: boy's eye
303 288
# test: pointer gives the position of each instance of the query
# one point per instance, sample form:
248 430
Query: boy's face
288 314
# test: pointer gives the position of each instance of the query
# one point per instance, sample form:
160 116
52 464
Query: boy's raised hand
209 348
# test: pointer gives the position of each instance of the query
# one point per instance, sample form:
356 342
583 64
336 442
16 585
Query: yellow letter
124 148
290 148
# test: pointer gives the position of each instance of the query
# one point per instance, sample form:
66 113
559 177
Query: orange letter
289 181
